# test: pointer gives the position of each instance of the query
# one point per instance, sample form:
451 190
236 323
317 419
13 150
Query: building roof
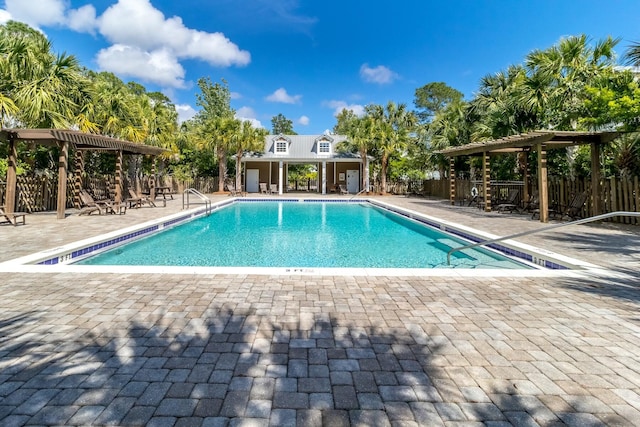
302 148
552 139
79 140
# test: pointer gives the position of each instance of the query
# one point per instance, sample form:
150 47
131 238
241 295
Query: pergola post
452 181
118 189
596 203
78 171
525 176
62 178
543 188
486 181
10 194
152 178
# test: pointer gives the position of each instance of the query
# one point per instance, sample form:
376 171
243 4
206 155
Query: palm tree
361 139
220 134
250 139
394 126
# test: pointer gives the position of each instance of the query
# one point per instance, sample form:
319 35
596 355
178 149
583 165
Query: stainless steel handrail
359 192
540 230
205 199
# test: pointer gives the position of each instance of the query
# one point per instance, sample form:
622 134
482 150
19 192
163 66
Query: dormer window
282 146
324 147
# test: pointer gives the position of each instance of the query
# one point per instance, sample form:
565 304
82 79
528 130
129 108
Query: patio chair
574 209
89 205
511 203
273 189
136 200
263 188
533 203
233 191
13 217
342 190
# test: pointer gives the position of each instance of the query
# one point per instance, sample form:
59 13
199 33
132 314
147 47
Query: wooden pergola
64 140
541 141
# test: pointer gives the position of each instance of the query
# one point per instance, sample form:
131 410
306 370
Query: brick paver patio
196 350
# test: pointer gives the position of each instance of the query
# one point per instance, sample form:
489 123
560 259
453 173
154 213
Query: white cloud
37 13
281 95
5 16
185 112
83 20
303 120
379 74
247 114
338 106
137 30
138 23
159 66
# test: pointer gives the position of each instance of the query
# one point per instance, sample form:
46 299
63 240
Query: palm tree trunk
383 178
222 169
238 172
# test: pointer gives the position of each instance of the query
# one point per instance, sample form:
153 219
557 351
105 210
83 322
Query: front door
253 178
353 181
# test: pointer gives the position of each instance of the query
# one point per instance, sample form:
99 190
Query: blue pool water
286 234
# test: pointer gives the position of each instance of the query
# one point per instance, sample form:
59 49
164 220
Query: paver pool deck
251 350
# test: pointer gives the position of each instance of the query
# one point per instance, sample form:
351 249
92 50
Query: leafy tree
281 125
433 97
250 139
394 128
48 90
361 133
216 123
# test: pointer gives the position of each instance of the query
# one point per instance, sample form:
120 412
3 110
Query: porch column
78 165
269 183
366 173
452 181
152 178
280 173
118 195
62 178
324 177
543 190
486 181
596 202
10 193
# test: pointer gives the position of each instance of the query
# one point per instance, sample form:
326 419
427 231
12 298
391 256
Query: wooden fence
39 194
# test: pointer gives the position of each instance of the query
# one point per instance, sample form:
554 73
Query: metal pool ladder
540 230
205 200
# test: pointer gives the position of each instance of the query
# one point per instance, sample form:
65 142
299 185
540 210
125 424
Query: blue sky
307 59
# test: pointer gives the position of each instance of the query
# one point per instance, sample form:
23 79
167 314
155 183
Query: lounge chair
533 203
273 189
233 191
573 210
136 200
511 203
263 188
13 217
89 205
342 190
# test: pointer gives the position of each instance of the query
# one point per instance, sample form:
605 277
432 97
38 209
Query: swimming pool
293 234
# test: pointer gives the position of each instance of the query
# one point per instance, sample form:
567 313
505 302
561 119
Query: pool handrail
358 193
205 199
540 230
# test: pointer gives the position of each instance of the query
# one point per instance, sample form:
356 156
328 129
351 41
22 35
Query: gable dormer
324 145
281 145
